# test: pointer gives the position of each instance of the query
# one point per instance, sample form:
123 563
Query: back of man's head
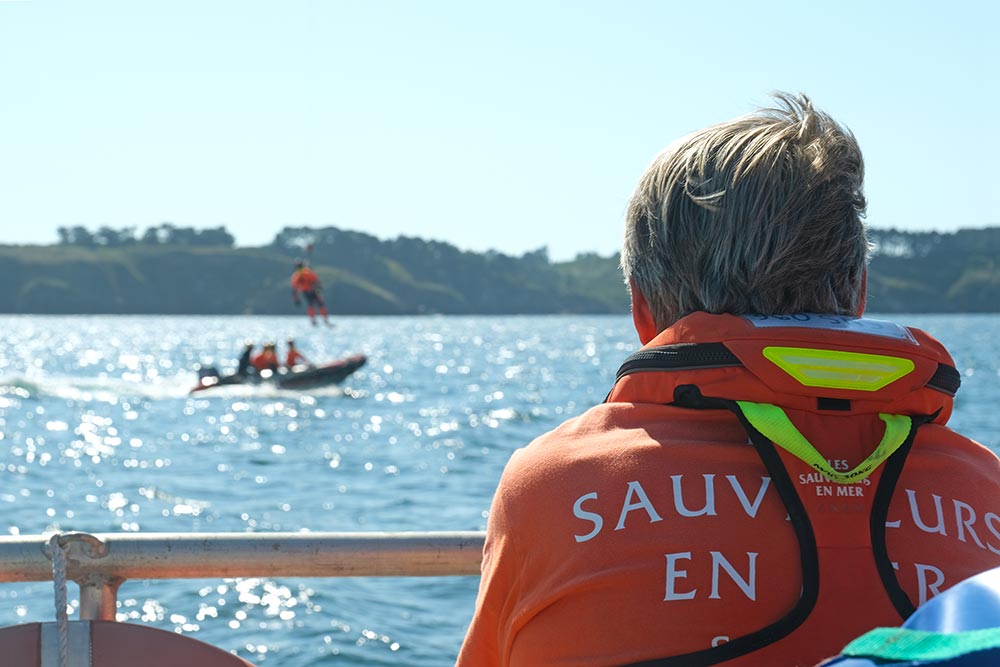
761 214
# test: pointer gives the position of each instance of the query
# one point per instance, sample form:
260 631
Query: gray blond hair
761 214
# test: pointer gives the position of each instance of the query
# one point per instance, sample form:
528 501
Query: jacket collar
806 361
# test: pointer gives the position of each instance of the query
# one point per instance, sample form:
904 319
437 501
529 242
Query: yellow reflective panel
839 370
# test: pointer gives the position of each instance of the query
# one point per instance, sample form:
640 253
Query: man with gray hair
771 475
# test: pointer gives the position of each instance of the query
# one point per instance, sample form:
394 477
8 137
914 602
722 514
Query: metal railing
99 563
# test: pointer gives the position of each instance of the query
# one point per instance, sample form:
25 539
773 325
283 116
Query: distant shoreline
177 271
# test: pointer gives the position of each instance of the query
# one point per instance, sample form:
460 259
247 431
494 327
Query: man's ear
864 294
645 325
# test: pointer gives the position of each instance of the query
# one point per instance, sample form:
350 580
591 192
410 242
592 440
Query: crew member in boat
306 283
772 474
293 357
266 359
243 365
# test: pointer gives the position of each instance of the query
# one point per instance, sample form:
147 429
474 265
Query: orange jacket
663 523
293 357
305 280
265 359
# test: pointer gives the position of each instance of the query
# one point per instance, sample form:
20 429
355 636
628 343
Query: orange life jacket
293 357
832 365
305 280
266 359
644 533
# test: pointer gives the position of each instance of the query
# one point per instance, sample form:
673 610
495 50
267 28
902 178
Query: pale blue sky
510 125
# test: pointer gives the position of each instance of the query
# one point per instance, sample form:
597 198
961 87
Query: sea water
98 433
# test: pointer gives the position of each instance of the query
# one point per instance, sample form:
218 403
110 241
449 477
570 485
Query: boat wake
112 390
262 391
99 389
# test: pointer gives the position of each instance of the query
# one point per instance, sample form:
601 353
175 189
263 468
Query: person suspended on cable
306 284
293 357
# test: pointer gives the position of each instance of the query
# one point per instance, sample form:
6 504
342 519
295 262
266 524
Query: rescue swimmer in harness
306 285
771 474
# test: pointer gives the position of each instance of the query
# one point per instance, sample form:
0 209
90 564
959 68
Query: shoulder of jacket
939 437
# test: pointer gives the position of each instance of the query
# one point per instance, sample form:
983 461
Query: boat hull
296 378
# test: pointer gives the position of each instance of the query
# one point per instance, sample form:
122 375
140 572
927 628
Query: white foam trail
100 389
111 390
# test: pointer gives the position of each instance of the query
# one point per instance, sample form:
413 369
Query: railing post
98 592
99 597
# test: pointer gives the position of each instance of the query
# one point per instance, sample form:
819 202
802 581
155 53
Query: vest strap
775 425
892 448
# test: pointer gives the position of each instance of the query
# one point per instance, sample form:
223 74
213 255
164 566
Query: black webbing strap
689 396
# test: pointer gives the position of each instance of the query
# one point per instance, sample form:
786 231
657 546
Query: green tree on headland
163 234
